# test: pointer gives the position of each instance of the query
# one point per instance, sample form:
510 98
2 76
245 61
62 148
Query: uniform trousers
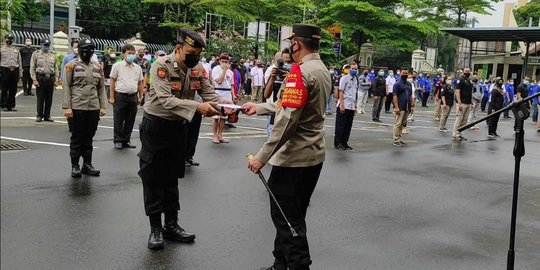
461 118
425 96
438 108
44 95
293 188
362 100
84 126
161 163
400 121
27 80
125 111
344 122
493 123
9 87
193 129
445 113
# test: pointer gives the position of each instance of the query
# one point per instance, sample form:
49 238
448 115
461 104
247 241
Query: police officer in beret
168 108
85 100
296 145
44 73
11 72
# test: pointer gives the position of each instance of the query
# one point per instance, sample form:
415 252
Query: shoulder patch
162 73
195 72
68 68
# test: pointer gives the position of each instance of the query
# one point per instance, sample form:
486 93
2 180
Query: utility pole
51 23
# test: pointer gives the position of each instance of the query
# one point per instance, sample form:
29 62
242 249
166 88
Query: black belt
223 89
160 120
11 68
45 75
126 94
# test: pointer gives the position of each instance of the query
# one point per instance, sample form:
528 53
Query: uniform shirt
297 139
510 90
10 57
172 90
257 76
390 81
533 89
84 86
465 86
404 92
128 76
448 93
349 86
26 55
427 85
43 63
228 80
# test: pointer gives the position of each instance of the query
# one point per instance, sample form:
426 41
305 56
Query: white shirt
390 81
349 86
227 81
127 77
208 68
257 76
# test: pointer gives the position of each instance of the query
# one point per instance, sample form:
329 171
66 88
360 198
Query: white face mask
449 81
28 43
112 55
410 80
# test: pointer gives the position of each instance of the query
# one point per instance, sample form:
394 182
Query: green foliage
32 11
7 9
110 19
530 10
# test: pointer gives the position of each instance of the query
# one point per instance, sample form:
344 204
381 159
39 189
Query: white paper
230 106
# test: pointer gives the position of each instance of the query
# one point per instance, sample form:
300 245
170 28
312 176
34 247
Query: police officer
11 70
168 108
296 145
26 55
85 101
44 73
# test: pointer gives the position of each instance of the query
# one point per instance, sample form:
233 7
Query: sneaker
491 137
398 144
496 135
475 128
347 147
443 129
403 143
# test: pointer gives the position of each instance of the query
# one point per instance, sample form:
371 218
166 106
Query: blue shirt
403 91
485 87
427 85
66 60
533 89
510 91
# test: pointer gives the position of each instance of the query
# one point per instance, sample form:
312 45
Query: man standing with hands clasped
126 92
403 105
44 73
463 93
296 145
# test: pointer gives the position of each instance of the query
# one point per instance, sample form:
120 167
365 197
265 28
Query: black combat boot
155 240
75 168
173 231
87 168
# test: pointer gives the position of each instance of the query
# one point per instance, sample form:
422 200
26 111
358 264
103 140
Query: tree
32 11
110 19
7 9
460 8
530 10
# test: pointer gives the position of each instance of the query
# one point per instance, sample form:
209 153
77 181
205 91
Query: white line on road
33 141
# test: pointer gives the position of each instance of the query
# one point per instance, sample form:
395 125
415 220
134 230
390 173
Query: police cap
45 41
8 36
191 38
86 43
305 31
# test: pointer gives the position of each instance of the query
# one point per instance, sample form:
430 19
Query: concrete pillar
494 71
505 71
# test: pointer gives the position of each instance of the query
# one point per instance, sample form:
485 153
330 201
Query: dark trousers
44 94
124 112
377 107
9 87
344 123
27 80
84 126
192 137
293 188
161 163
484 103
425 96
492 124
388 102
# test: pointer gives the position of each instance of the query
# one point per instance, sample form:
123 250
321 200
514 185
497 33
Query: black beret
306 31
191 38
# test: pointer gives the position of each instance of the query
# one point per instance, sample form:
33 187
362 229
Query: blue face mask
131 58
45 47
353 72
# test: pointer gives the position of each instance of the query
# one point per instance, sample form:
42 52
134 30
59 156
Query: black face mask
467 74
86 55
191 60
292 51
499 84
9 41
474 81
404 77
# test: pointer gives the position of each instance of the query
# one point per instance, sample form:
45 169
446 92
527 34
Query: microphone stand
521 112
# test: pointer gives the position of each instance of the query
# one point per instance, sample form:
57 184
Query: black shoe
496 135
192 162
87 168
30 94
39 119
176 233
347 147
128 145
339 147
49 120
5 109
187 164
377 120
155 240
118 145
229 125
274 268
75 171
26 94
398 144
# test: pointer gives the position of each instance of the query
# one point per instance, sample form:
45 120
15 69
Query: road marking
34 141
19 93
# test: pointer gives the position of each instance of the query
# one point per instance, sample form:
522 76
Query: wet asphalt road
435 204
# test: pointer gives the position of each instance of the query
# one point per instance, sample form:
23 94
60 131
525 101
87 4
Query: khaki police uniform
296 151
11 70
43 69
168 107
84 93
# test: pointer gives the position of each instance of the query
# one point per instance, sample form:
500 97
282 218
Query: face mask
510 83
474 81
449 81
467 74
130 58
191 60
390 74
9 41
292 51
404 77
525 82
410 80
28 43
86 55
381 74
45 47
499 84
141 55
112 55
365 73
353 72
